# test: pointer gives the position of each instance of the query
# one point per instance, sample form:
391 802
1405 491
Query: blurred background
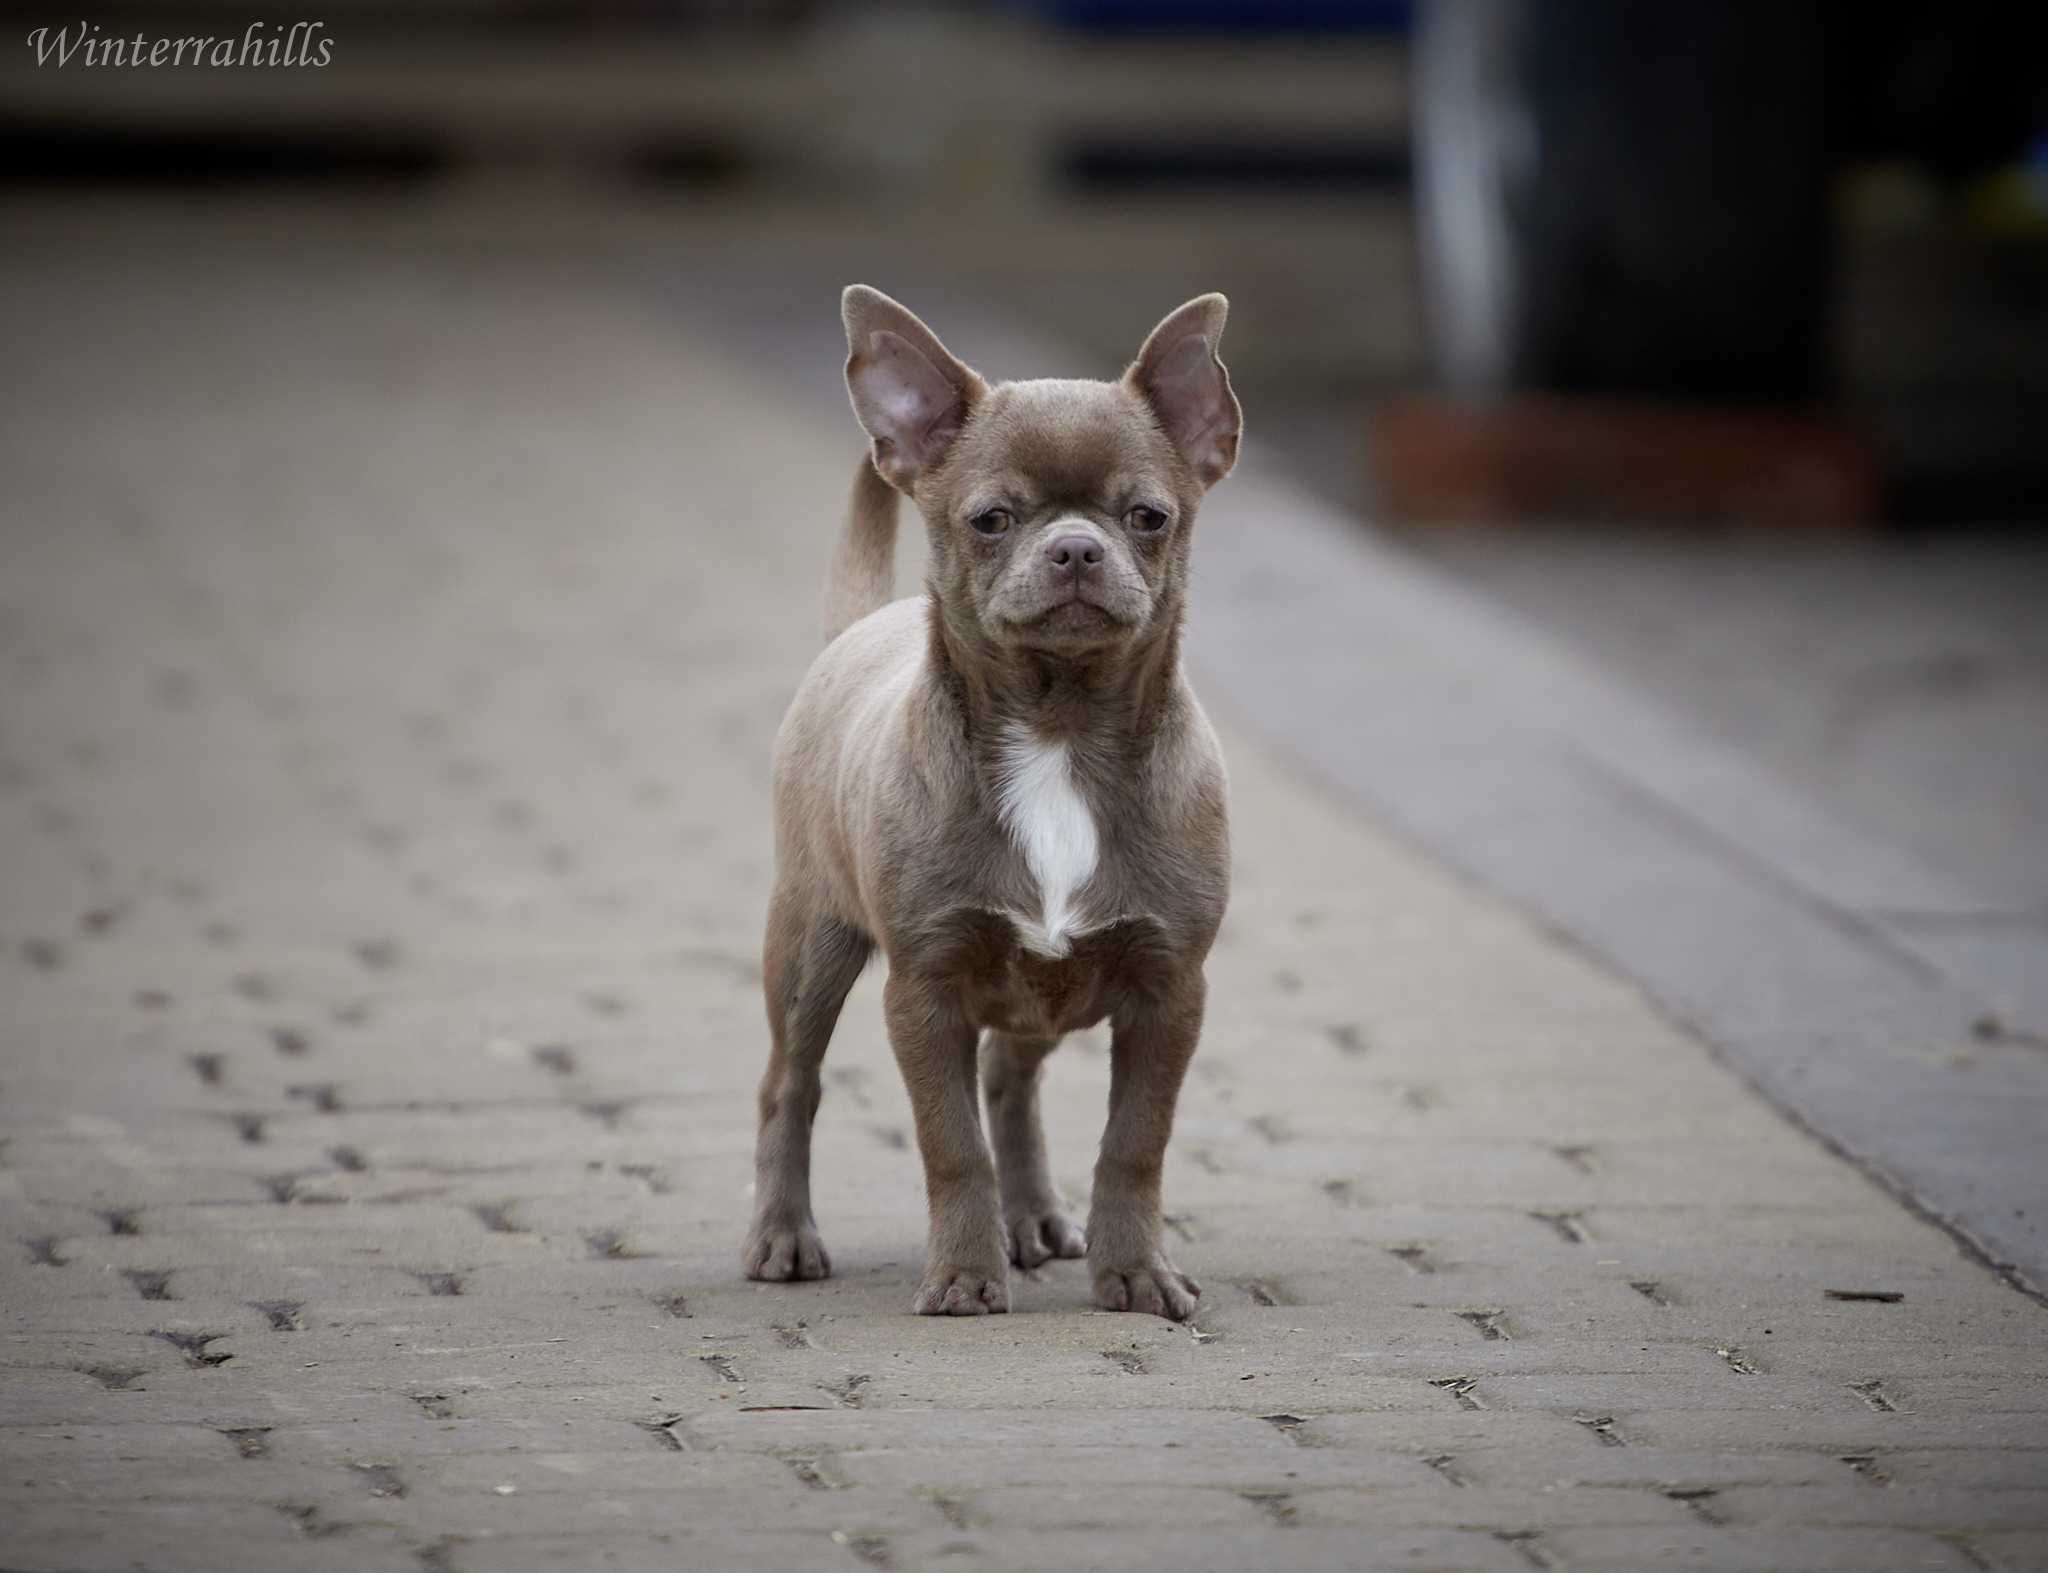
1713 337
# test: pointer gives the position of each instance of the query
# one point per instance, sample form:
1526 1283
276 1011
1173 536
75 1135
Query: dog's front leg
966 1270
1151 1042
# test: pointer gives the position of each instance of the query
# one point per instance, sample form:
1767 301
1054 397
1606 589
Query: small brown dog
1006 784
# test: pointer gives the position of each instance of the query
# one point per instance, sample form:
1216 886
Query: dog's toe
1155 1288
1038 1237
779 1254
950 1291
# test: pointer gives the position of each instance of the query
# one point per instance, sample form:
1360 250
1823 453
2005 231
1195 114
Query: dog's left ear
1179 374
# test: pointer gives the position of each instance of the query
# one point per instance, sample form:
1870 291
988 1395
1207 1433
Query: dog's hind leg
809 963
1033 1225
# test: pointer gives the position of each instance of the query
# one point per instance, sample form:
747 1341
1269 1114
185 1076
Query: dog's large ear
912 397
1179 375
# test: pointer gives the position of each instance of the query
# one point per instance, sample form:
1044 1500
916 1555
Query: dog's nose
1075 553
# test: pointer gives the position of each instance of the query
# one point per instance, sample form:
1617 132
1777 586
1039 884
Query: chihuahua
1007 786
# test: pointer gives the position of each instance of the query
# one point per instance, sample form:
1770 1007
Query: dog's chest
1006 984
1056 948
1052 826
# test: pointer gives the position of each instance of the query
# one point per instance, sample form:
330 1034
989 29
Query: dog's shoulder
867 668
1184 784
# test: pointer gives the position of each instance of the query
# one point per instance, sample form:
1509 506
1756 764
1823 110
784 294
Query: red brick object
1441 461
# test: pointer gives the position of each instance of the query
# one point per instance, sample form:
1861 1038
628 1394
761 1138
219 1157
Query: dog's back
842 745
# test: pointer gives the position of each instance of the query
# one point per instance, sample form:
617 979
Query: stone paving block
1282 1550
1854 1503
1726 1549
1102 1381
1623 1463
624 1551
1469 1506
1930 1359
26 1448
215 1288
964 1471
189 1481
677 1510
195 1537
1980 1469
1490 1339
2012 1551
50 1175
2008 1392
1705 1392
1845 1234
1115 1510
1842 1432
630 1469
409 1429
938 1428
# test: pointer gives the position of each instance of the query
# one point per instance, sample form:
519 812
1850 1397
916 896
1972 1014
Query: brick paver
389 656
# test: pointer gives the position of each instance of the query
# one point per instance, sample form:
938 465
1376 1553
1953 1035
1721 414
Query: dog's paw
962 1291
779 1252
1035 1237
1156 1287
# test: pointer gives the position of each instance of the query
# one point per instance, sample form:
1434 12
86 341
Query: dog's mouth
1080 610
1076 617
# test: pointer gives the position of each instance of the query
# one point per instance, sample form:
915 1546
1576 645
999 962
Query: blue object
1227 16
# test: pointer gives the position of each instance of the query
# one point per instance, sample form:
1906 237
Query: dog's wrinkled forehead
1057 441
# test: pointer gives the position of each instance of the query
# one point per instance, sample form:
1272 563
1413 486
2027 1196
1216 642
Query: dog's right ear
912 397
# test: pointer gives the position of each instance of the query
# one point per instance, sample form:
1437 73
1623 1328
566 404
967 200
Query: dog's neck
1104 702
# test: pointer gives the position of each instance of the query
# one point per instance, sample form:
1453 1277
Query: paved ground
390 653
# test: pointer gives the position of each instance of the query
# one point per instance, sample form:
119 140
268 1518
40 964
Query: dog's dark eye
1146 519
992 521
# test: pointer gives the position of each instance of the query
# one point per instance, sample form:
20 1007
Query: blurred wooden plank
984 105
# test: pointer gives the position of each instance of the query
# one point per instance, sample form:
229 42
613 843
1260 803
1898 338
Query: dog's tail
863 576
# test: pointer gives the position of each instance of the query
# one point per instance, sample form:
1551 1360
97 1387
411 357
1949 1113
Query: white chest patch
1047 818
